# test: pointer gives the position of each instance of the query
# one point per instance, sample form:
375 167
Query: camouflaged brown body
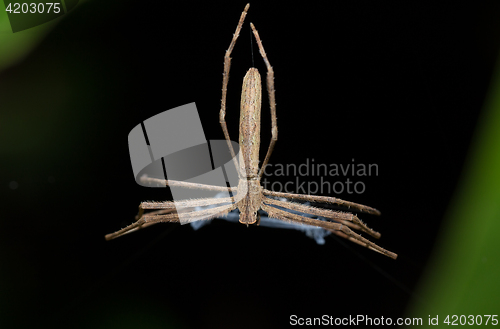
251 101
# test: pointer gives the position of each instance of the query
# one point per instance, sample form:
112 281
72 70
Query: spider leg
345 236
169 207
289 217
140 223
183 203
190 216
346 218
324 199
225 80
272 101
164 182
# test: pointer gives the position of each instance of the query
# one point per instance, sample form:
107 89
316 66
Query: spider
250 195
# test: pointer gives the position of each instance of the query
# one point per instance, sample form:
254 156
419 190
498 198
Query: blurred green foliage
463 276
16 46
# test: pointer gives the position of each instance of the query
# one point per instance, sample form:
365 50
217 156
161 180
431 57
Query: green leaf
463 275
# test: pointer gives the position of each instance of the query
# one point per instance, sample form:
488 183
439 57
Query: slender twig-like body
251 100
252 197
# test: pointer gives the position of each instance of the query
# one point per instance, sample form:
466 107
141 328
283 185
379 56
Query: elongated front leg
324 199
225 80
272 101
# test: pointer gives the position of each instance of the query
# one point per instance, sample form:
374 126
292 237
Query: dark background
396 84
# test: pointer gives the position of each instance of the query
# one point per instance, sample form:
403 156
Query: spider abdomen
251 100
